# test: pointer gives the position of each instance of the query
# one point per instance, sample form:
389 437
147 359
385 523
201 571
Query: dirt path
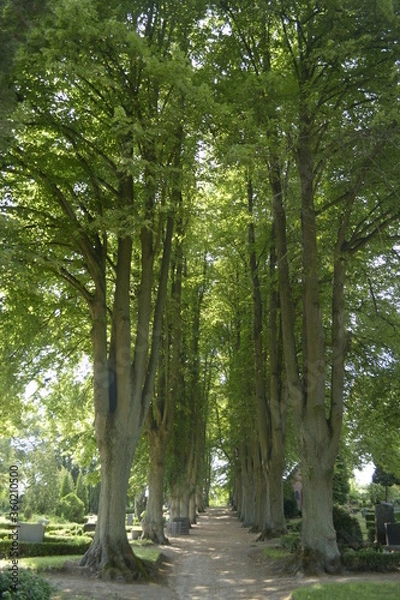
219 560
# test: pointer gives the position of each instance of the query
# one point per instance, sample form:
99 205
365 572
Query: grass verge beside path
39 564
348 591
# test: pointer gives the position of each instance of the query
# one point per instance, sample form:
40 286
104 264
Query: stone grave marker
384 513
393 535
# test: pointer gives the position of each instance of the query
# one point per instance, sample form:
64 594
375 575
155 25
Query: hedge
48 548
369 559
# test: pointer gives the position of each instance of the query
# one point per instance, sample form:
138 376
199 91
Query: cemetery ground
219 559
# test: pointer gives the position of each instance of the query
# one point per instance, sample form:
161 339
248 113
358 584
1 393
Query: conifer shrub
348 530
72 508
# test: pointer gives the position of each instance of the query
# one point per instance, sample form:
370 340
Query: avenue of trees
200 244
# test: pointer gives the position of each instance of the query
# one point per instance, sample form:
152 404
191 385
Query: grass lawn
39 564
348 591
276 553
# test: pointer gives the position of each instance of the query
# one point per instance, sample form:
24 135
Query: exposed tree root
314 563
269 534
114 561
155 535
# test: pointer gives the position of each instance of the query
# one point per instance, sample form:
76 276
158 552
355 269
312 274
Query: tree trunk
318 437
247 500
122 392
269 415
160 416
117 426
260 491
153 523
179 500
111 554
318 536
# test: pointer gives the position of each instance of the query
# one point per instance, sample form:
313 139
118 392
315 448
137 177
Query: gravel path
218 560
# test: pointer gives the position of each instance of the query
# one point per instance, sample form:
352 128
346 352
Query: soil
219 559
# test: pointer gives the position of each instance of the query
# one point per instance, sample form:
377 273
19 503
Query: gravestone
130 518
31 532
136 533
384 513
180 526
393 534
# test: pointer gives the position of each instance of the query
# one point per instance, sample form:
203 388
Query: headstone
180 526
384 513
31 532
175 528
392 534
136 533
130 519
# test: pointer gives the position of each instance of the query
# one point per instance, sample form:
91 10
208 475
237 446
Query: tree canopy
199 215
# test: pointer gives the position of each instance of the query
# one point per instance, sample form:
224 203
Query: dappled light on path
214 562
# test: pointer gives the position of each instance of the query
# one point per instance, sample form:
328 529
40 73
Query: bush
49 548
71 508
348 530
290 508
371 532
369 559
294 526
66 529
28 513
290 541
30 586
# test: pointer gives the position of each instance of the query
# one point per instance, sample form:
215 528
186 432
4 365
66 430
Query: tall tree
88 186
329 81
160 417
312 76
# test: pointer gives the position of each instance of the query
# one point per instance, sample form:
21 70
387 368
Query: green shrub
69 529
290 541
370 559
290 508
294 525
348 530
28 512
4 533
30 586
25 549
71 508
370 518
371 534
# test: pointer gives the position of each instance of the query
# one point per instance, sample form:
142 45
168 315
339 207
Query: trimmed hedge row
64 529
48 548
369 559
